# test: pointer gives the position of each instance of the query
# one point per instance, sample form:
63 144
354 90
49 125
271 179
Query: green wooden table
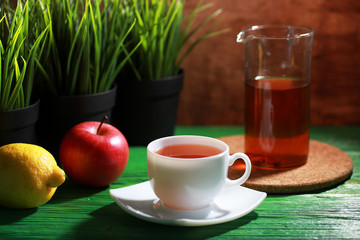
81 213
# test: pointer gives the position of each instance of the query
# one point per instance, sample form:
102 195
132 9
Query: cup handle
246 175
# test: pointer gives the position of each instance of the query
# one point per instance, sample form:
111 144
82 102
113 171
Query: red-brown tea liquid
277 122
188 151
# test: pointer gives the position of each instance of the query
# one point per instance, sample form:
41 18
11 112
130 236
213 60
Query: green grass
86 46
165 33
20 46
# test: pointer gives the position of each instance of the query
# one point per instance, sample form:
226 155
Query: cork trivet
327 166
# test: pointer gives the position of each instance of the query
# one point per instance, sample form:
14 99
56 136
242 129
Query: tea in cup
188 172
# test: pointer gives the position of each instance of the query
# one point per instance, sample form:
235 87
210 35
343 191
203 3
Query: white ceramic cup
191 183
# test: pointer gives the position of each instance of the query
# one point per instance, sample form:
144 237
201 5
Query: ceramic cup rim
224 147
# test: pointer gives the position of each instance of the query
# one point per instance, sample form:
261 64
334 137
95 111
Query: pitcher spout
247 34
241 37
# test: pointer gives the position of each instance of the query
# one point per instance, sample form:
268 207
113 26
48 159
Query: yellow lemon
29 176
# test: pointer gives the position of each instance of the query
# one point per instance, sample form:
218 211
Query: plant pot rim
157 87
27 108
15 118
91 103
90 95
181 74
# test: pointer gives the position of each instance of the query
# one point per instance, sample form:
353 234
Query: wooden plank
76 212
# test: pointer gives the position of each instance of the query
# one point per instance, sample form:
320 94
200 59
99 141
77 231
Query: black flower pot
59 114
18 126
147 110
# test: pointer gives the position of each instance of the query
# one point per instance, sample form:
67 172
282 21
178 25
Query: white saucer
140 201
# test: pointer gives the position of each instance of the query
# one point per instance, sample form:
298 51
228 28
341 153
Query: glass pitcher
277 94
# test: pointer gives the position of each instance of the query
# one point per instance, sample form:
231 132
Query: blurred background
213 92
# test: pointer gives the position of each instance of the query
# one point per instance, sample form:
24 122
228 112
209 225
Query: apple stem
104 119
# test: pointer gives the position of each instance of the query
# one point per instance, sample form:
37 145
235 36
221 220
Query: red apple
94 154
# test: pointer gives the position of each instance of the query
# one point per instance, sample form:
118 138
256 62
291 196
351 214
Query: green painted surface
81 213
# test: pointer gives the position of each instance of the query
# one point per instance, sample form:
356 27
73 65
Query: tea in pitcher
277 112
277 105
